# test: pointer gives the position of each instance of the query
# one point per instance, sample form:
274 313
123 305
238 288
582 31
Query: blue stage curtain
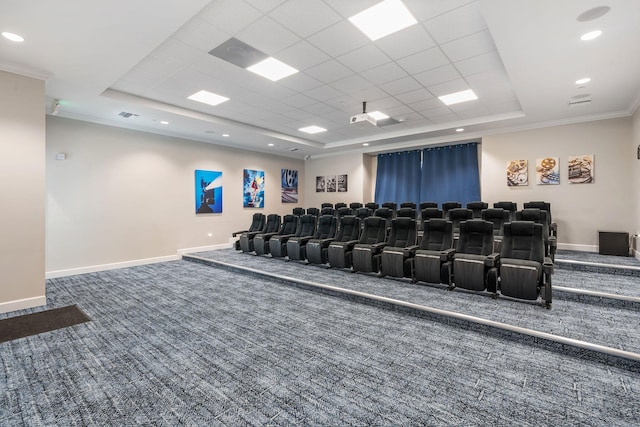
398 177
450 173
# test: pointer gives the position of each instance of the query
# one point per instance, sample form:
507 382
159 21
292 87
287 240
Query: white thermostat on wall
61 156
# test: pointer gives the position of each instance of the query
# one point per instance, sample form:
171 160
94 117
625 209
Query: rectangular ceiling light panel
312 129
383 19
208 98
272 69
457 97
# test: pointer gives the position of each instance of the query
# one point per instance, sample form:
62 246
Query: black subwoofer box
613 243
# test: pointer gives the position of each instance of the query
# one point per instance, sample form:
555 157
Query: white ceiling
146 56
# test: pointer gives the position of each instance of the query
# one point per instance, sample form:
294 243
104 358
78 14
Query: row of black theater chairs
505 251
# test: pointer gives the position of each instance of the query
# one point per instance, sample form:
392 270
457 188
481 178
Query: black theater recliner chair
261 241
272 225
355 205
432 261
316 248
298 211
524 271
313 211
371 205
339 251
456 216
474 261
296 246
366 253
511 207
401 245
541 217
257 224
406 212
278 243
477 208
498 217
447 206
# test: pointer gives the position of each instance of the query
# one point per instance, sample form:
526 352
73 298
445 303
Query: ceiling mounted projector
364 119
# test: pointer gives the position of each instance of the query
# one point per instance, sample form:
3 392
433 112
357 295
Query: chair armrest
553 241
325 242
492 260
285 237
347 245
447 254
547 266
377 247
235 233
410 251
266 236
302 240
554 229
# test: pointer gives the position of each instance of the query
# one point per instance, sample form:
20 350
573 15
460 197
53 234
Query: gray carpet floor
181 343
597 258
605 322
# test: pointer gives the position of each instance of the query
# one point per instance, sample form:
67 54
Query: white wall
610 203
350 164
635 171
123 195
22 190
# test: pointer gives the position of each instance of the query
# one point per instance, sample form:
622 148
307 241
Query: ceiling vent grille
573 103
128 115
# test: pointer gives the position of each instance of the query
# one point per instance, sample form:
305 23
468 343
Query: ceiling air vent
128 115
293 149
575 102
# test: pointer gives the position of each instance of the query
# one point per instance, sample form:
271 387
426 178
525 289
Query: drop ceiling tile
414 96
351 84
367 93
299 100
424 60
399 112
349 8
472 113
469 46
364 58
486 62
338 117
339 39
406 42
426 104
323 93
175 52
297 114
445 118
264 5
230 16
201 35
302 56
382 104
267 35
300 82
384 73
329 71
400 86
456 23
423 10
318 109
305 17
437 75
345 103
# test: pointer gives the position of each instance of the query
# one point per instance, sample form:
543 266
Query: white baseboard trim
206 248
113 266
21 304
575 247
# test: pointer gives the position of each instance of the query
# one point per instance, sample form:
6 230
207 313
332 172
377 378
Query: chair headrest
522 228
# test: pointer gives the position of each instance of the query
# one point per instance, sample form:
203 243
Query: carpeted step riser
589 268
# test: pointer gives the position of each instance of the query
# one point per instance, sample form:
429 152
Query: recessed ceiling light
226 135
270 144
312 129
460 130
583 81
457 97
164 122
366 144
272 69
13 37
208 98
591 35
383 19
378 115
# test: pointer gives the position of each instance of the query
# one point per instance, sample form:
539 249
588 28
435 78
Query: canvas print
517 173
289 186
330 182
548 171
342 183
253 189
319 184
208 192
581 169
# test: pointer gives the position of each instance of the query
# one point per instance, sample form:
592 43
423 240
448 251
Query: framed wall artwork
581 169
253 189
517 173
208 186
342 183
548 171
330 182
289 186
319 184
